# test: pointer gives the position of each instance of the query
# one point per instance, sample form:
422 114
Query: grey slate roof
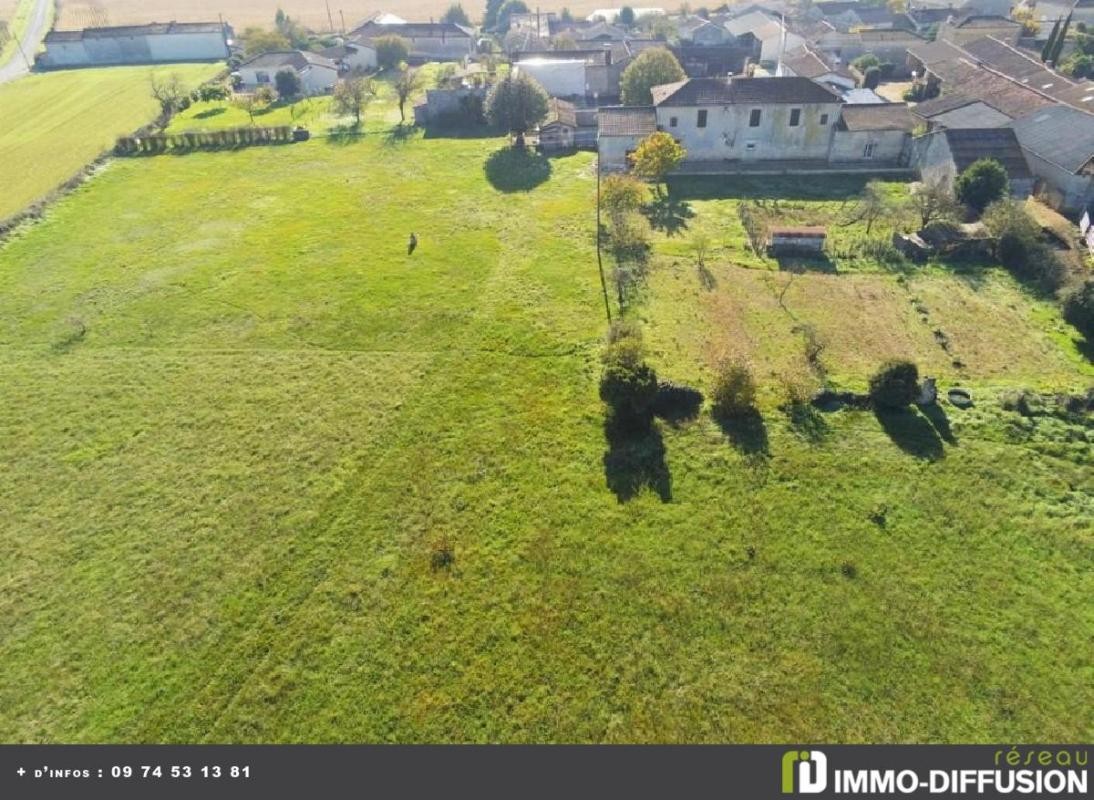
414 30
627 120
721 91
297 59
1060 135
151 29
971 144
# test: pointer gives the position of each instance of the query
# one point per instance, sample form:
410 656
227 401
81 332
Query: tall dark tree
626 16
287 83
1058 45
1046 51
490 18
455 14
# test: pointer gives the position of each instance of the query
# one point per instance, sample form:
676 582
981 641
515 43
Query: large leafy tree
353 95
653 67
391 51
517 103
288 83
656 156
257 41
984 182
490 18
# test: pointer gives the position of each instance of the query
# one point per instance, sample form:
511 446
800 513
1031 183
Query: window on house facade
754 118
868 150
262 77
701 122
824 119
673 122
795 117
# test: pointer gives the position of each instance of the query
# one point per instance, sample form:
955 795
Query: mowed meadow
53 124
267 478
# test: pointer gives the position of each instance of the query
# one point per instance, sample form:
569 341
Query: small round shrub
631 390
734 393
1079 309
895 385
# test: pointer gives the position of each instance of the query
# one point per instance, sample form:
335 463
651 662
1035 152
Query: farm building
945 154
1058 143
317 74
800 241
621 128
879 132
429 41
156 43
568 128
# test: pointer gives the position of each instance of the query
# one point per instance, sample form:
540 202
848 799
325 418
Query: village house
428 41
720 60
317 74
592 73
959 111
1058 143
569 127
879 133
749 118
155 43
943 155
620 129
889 46
967 28
775 38
700 32
808 63
353 55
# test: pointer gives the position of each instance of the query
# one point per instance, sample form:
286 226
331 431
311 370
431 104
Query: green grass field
61 121
241 426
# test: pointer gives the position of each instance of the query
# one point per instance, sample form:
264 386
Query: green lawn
240 426
60 121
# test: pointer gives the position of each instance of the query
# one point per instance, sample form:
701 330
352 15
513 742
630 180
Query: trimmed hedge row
202 140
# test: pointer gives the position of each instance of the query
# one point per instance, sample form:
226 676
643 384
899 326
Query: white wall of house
729 132
363 57
314 79
614 151
887 146
930 154
560 78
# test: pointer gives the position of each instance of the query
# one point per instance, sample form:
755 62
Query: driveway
16 67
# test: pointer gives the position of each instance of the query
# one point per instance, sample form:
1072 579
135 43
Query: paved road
36 31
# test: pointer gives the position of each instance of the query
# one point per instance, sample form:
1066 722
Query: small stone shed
796 241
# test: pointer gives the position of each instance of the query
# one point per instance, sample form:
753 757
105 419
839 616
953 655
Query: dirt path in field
17 65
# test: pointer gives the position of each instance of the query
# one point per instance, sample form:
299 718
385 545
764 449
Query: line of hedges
202 140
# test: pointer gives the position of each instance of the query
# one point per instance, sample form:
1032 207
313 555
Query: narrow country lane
16 66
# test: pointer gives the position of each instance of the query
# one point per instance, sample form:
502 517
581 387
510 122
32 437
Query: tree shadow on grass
400 134
669 214
747 433
342 135
677 404
635 460
516 170
210 112
936 415
911 432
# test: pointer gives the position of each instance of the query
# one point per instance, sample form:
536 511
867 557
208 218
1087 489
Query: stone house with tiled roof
155 43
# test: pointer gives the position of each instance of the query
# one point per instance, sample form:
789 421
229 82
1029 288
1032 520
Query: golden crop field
241 13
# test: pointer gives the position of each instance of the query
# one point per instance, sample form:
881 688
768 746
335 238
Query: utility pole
330 17
599 259
343 16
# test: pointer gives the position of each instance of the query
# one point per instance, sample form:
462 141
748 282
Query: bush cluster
1079 309
202 140
628 384
896 385
734 393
